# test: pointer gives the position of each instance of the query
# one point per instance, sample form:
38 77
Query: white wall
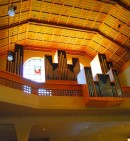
125 77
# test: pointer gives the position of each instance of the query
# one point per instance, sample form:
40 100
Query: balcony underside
16 102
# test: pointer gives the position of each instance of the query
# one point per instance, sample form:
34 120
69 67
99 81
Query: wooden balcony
126 91
60 88
49 88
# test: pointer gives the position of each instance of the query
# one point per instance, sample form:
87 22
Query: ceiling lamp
11 11
10 56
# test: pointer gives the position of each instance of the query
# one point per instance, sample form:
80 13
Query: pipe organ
101 78
16 65
61 70
89 81
105 81
109 65
49 67
115 82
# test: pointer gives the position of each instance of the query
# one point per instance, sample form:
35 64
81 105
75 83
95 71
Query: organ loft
99 80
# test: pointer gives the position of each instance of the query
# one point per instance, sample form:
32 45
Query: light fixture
11 11
10 56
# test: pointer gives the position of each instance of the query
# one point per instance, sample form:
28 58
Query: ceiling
89 26
92 26
75 130
73 124
70 130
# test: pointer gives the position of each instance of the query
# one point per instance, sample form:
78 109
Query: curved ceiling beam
118 2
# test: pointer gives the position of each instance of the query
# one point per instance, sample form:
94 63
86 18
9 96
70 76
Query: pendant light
10 56
11 11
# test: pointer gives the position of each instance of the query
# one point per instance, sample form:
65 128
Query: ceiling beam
118 2
123 4
79 28
13 25
67 27
37 48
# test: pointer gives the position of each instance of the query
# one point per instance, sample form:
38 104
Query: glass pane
34 70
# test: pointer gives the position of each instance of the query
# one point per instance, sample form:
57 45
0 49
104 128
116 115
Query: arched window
33 69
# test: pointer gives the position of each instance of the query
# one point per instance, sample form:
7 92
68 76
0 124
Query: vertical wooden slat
7 65
64 68
11 66
15 63
21 65
76 66
19 62
90 82
61 67
59 64
117 83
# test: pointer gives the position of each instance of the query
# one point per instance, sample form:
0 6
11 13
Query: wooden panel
4 21
3 10
126 91
115 78
88 26
24 16
3 34
105 86
104 102
126 2
90 82
48 68
76 64
25 6
51 88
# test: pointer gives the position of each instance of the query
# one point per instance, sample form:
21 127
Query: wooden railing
49 88
126 91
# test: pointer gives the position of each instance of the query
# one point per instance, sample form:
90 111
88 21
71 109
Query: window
27 89
33 69
44 92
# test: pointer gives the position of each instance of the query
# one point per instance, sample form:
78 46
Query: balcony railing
50 88
126 91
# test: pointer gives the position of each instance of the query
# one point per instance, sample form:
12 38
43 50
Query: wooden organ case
103 84
61 70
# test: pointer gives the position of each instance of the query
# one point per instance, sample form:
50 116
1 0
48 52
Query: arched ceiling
89 26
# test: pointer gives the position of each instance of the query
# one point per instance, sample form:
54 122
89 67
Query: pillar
23 131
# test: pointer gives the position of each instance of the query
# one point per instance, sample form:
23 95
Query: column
23 131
